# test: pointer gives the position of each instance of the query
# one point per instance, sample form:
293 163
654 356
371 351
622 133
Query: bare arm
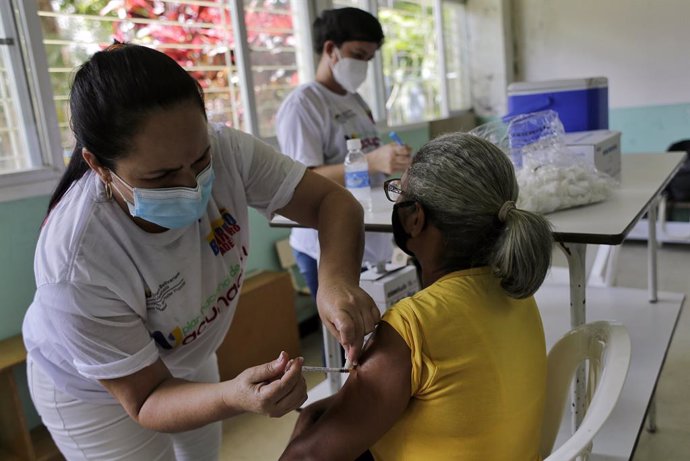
346 310
335 173
158 401
372 400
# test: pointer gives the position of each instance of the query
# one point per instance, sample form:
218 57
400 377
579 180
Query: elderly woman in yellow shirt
457 371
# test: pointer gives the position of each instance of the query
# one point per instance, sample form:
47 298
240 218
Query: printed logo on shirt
226 291
165 290
344 116
222 229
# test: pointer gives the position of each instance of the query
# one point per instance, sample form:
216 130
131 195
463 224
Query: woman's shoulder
66 228
229 143
455 292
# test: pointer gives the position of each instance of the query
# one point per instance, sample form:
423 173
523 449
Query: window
26 160
423 59
247 55
199 35
456 58
410 61
272 39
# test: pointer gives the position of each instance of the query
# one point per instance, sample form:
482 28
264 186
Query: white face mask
350 73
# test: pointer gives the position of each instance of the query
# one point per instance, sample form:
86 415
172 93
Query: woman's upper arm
306 199
133 390
371 401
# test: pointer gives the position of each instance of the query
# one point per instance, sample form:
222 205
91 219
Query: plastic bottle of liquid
357 174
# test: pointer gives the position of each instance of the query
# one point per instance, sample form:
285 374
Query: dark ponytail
112 93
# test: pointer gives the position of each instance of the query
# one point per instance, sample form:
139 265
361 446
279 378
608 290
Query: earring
108 190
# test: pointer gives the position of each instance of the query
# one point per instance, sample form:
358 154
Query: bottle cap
354 144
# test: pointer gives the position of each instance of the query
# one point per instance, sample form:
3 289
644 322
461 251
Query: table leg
652 286
651 415
331 346
651 251
576 254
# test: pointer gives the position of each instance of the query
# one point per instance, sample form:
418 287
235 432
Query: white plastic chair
606 348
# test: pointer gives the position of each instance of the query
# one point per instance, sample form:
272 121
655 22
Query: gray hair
462 181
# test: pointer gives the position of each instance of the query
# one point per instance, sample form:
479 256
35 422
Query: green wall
651 128
20 222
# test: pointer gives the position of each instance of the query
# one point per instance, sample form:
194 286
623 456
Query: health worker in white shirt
315 121
140 262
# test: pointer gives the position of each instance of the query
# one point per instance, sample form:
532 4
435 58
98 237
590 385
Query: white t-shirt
111 298
313 125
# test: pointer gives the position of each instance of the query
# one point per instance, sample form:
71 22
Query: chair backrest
606 347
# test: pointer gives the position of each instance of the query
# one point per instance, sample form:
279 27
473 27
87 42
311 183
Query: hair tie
505 209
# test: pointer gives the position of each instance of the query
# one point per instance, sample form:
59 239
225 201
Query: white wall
642 46
491 52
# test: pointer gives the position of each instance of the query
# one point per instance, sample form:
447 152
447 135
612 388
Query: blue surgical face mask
171 207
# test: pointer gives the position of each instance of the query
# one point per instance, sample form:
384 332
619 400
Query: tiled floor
256 438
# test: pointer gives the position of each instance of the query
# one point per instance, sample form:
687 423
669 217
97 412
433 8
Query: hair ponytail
76 168
522 254
469 186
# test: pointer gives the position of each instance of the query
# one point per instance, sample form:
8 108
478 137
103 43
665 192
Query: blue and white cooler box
582 104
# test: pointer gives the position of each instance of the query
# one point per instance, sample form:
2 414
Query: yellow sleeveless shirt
478 373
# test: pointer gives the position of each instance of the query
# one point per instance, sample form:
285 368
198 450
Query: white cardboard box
389 287
602 148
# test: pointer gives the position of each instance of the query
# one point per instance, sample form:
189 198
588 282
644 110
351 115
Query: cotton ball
550 187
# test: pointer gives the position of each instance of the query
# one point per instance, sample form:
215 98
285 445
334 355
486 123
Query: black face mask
399 234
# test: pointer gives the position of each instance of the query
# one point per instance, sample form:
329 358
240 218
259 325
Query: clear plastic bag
551 176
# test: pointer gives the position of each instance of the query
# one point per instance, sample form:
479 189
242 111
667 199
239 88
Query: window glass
19 148
197 34
455 42
12 140
410 60
273 55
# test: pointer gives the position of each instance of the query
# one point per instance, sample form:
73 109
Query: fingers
268 371
350 326
288 392
400 158
372 318
402 151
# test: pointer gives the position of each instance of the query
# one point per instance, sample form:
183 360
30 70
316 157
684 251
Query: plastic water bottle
357 174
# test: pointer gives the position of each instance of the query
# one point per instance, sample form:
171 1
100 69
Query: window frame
37 105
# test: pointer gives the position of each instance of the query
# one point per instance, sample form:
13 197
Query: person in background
140 263
316 119
458 370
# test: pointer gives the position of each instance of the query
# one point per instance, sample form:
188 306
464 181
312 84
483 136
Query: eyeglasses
393 189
